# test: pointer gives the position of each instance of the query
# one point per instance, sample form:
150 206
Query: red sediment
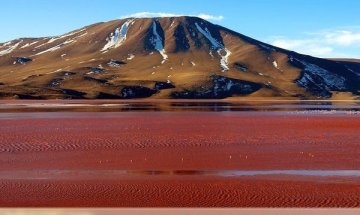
178 192
180 141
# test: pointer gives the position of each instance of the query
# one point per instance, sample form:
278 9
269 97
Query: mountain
178 57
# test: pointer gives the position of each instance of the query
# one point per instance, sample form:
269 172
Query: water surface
298 107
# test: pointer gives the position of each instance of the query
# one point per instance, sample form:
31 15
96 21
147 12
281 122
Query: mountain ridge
173 57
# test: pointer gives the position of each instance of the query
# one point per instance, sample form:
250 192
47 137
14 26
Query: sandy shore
169 153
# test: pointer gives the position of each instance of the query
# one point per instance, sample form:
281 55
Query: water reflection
237 173
88 174
176 105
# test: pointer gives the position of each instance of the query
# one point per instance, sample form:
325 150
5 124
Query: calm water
178 105
80 174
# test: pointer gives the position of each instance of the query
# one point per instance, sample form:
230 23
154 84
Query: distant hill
177 57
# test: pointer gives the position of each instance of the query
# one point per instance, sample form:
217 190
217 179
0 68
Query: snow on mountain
28 44
158 42
130 57
55 47
66 35
313 72
10 49
201 65
275 64
117 38
223 52
215 44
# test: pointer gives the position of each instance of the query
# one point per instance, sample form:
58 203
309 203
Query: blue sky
325 28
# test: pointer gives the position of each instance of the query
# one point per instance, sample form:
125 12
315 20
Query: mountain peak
166 57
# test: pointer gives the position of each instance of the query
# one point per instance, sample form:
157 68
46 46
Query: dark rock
241 67
101 81
194 35
56 82
131 92
73 94
27 96
96 70
321 76
163 85
103 95
22 60
116 63
182 43
222 87
67 73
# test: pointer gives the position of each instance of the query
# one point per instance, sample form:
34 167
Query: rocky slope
182 57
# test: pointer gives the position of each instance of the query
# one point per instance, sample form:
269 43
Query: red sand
180 141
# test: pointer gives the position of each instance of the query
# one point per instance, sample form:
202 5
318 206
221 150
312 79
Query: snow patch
10 49
223 52
131 56
215 44
275 64
39 46
55 47
117 38
7 43
29 44
22 60
352 71
65 35
329 79
211 54
349 69
168 80
115 63
158 43
81 35
52 40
